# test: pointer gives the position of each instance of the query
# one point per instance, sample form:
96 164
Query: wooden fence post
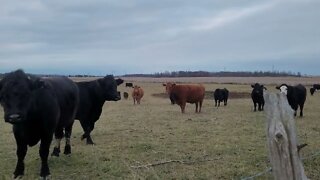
282 138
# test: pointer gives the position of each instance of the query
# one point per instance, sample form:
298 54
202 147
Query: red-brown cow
137 94
182 94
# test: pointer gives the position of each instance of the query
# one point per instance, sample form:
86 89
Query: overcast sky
145 36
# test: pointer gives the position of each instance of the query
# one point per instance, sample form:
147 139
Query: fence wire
269 169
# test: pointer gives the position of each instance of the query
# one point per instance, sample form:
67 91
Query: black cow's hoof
17 177
55 152
89 141
44 177
45 172
67 149
84 136
19 171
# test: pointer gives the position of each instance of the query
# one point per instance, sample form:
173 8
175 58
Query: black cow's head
312 90
109 87
258 89
283 88
16 95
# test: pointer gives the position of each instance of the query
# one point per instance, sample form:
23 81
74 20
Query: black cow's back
67 94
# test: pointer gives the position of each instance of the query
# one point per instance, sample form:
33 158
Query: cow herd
39 108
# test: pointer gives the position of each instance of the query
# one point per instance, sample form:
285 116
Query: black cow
296 96
93 94
37 108
129 85
314 88
221 95
257 96
125 95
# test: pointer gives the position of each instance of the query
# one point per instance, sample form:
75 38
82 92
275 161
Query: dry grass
222 143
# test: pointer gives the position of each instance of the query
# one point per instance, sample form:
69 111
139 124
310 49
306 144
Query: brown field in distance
231 80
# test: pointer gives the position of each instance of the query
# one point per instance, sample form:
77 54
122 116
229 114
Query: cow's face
283 88
15 96
169 87
258 89
109 87
312 90
136 89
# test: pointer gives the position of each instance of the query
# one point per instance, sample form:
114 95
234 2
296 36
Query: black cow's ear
252 85
119 81
101 81
277 87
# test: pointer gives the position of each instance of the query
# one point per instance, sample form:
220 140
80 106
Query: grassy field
219 143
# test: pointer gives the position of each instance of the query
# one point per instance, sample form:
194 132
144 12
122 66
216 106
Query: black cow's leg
259 106
255 107
21 153
58 137
68 131
94 117
215 103
301 110
84 126
44 152
91 127
295 108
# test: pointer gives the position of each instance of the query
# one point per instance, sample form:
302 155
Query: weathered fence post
282 139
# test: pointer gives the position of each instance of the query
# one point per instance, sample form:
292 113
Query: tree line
218 74
198 74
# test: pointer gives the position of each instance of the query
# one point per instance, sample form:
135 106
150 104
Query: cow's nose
13 118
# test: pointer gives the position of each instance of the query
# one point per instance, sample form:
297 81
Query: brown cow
182 94
137 94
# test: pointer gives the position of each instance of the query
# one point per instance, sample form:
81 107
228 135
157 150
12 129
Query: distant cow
182 94
257 96
125 95
314 88
137 94
93 94
38 108
296 96
129 85
221 95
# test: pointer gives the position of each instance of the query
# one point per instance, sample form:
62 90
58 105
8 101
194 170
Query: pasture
228 142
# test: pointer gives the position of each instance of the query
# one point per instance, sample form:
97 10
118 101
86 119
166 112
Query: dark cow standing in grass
37 108
314 88
296 96
257 96
182 94
221 95
129 85
93 94
125 95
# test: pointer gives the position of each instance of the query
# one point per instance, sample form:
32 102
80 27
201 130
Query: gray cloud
145 36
